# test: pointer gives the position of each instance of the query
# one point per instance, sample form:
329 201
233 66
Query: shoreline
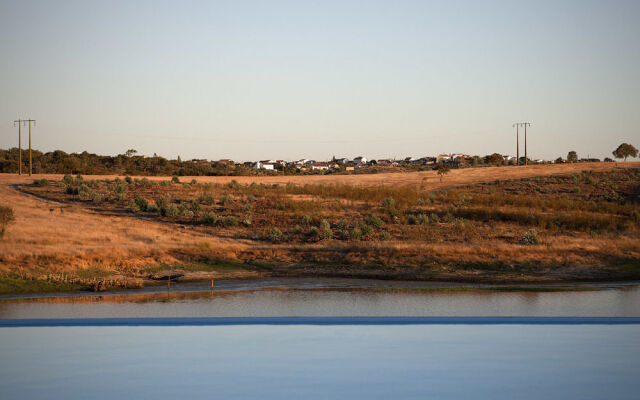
327 284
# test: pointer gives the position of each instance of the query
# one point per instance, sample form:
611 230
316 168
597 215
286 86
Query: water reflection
331 302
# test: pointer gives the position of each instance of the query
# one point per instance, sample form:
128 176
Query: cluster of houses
355 163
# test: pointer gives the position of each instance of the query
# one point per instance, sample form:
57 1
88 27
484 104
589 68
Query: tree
6 217
559 160
131 152
625 150
494 158
572 156
442 170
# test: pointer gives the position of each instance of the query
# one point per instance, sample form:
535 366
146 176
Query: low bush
41 182
209 218
529 238
230 220
175 179
275 235
141 203
374 221
384 236
325 233
355 234
170 211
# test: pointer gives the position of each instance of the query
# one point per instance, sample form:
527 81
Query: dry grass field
99 231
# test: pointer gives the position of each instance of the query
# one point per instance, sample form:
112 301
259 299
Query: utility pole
518 125
19 121
34 124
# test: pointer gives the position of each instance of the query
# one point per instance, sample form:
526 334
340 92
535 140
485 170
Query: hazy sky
292 79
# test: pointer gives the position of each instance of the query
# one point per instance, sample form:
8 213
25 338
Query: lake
327 297
254 356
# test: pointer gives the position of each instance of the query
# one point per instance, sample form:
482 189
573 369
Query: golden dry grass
57 237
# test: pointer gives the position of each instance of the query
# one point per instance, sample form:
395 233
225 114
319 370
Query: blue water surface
322 362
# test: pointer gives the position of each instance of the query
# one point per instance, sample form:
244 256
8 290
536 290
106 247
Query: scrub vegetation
557 227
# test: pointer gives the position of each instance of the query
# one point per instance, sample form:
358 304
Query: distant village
362 164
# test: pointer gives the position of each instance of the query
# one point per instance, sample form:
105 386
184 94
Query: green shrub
234 184
366 230
226 200
342 224
307 220
163 201
422 219
128 179
314 231
209 218
529 238
389 203
297 229
355 234
182 209
275 235
120 197
68 179
325 233
374 221
230 220
41 182
384 236
206 199
175 179
151 208
170 211
247 207
247 220
194 182
84 190
434 218
69 190
195 207
188 214
324 224
141 203
96 197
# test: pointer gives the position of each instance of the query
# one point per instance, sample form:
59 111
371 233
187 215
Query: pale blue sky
293 79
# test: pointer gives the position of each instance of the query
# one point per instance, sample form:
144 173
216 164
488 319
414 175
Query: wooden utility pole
19 121
517 125
34 124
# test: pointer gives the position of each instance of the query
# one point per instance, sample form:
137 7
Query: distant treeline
59 162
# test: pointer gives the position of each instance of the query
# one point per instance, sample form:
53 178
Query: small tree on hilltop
494 158
625 150
572 156
442 170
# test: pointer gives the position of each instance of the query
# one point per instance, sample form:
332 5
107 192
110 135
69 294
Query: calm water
441 361
326 298
322 362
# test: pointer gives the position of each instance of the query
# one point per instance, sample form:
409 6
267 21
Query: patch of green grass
215 266
9 285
